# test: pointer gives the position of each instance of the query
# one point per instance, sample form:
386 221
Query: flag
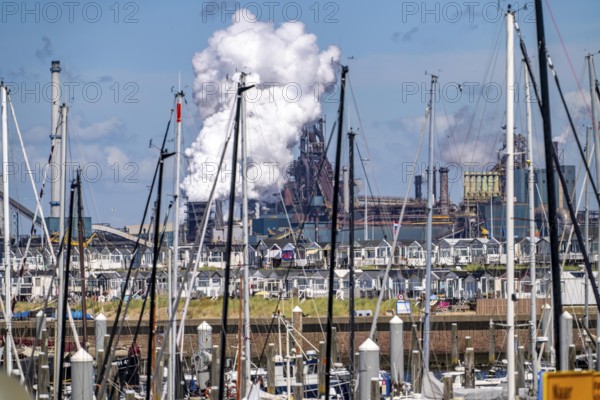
395 227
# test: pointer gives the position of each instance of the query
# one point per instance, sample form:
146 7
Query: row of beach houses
282 267
281 253
409 283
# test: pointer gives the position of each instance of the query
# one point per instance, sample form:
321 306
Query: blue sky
121 60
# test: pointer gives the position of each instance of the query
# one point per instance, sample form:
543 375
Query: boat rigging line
81 257
116 328
229 243
550 186
156 252
540 103
144 302
271 326
397 231
53 257
554 155
193 263
351 345
295 239
65 294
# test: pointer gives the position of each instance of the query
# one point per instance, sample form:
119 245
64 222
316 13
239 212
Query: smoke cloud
290 73
460 144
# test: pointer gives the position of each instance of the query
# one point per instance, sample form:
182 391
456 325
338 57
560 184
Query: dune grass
207 308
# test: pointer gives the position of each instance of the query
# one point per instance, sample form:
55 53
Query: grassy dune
207 308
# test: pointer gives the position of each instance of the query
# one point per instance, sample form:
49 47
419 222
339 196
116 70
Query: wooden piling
448 388
454 346
469 367
271 368
416 371
491 344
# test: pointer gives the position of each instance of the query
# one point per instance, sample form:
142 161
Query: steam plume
290 74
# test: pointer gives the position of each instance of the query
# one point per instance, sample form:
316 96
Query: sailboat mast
61 184
81 250
428 232
334 225
175 255
229 244
58 389
152 288
366 217
510 202
550 185
532 244
351 135
246 284
7 265
57 208
592 77
57 204
586 318
366 209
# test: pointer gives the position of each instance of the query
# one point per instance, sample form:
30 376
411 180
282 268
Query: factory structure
302 210
306 203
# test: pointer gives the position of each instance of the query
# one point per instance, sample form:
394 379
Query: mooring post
368 367
454 346
520 368
566 334
416 371
492 344
469 367
397 350
448 388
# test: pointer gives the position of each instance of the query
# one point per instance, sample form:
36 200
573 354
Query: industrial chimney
561 196
434 184
418 187
444 199
55 137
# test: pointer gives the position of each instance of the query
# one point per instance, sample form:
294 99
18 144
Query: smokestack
346 196
418 187
555 144
195 212
444 200
434 184
56 142
561 199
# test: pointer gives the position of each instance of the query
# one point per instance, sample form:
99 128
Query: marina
259 258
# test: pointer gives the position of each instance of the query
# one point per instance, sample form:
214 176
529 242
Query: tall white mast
56 140
60 317
586 318
62 141
246 286
175 255
510 199
57 203
429 233
366 221
7 264
532 244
